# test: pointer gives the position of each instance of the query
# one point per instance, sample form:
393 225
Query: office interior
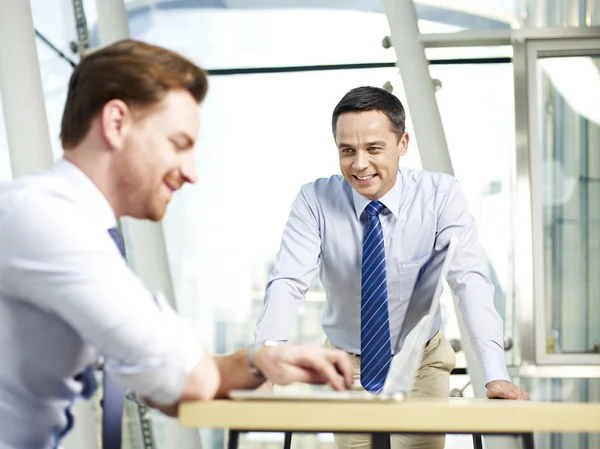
503 94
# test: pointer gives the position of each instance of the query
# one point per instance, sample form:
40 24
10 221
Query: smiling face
369 152
155 152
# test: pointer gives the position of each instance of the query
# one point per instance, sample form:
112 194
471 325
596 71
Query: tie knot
374 208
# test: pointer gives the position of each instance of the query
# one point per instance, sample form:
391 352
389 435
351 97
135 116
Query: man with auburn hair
379 234
67 296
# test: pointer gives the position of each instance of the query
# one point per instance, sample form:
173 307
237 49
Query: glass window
476 104
54 22
569 101
460 15
257 37
275 34
559 13
564 390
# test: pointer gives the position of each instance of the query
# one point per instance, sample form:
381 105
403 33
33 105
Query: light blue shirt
67 298
325 232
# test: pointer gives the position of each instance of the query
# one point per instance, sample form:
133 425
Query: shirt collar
390 200
86 194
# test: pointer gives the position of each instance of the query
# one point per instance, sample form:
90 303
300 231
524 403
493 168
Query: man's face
369 152
156 156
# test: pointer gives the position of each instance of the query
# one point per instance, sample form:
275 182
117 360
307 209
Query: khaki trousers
433 380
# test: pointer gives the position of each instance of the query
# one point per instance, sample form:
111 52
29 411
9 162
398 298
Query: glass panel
500 52
252 37
564 390
559 13
458 15
255 37
476 104
569 101
54 22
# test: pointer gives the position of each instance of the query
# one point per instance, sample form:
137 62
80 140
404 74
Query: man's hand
266 386
303 363
502 389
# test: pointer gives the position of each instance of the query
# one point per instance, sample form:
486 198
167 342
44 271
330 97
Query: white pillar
418 85
23 102
433 148
112 21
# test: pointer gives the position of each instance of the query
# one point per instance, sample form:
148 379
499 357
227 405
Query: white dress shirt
67 297
325 231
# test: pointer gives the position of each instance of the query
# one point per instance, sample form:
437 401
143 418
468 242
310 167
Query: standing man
378 235
67 296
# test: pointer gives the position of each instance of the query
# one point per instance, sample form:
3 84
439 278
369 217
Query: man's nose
188 168
360 161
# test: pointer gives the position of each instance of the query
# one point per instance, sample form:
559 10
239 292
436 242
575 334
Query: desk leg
527 440
287 443
380 440
233 439
477 441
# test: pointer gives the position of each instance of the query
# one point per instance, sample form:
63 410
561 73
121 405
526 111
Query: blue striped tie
375 346
114 394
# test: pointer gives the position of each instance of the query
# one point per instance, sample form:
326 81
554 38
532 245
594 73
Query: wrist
254 369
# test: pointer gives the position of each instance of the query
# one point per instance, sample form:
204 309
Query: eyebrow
189 142
373 143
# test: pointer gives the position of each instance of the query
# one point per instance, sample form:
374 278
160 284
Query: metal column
21 88
418 85
112 21
433 148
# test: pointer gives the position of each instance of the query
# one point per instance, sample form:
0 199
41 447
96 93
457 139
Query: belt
426 344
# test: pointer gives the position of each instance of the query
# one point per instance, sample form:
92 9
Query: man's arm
295 267
282 365
468 277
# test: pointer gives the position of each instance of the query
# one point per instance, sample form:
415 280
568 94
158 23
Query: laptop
403 368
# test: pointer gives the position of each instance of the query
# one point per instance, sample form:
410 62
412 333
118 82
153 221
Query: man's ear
115 122
403 144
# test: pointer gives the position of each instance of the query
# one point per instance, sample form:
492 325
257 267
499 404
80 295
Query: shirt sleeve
295 267
60 261
468 277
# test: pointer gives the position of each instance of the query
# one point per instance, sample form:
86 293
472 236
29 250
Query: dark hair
140 74
368 98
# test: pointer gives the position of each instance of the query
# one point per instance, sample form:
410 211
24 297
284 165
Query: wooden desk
455 415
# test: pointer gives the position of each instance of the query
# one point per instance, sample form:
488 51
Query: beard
138 193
